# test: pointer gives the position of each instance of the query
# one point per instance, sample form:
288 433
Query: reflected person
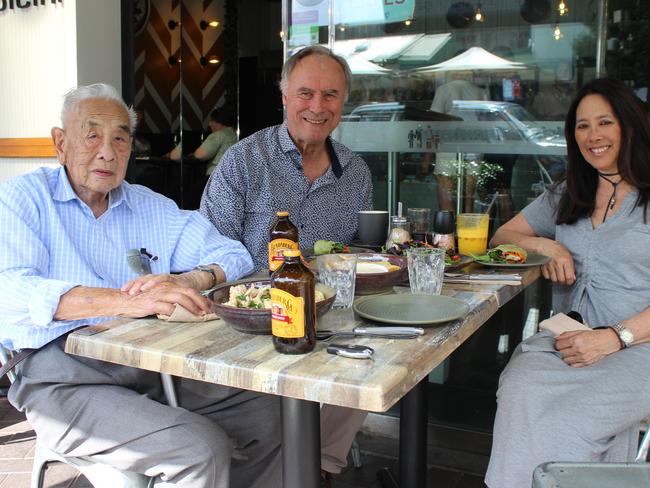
212 149
65 234
446 168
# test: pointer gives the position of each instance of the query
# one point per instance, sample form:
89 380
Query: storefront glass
444 104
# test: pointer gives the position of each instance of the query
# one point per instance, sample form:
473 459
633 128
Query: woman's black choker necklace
612 199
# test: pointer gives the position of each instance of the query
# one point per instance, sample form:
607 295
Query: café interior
177 60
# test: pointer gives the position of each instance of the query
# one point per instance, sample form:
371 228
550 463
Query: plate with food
375 273
409 309
245 304
453 260
322 246
378 273
510 256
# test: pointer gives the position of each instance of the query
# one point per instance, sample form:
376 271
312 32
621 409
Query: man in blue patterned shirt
294 166
65 235
297 167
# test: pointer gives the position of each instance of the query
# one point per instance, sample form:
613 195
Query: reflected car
526 174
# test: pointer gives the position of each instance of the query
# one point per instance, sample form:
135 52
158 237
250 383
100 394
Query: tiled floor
17 452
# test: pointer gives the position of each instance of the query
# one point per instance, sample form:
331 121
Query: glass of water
426 269
339 271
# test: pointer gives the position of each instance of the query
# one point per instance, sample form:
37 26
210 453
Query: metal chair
591 475
642 452
99 475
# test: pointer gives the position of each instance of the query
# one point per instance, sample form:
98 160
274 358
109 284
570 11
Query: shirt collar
288 146
64 192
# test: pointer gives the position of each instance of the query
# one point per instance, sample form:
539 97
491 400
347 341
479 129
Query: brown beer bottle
282 237
293 306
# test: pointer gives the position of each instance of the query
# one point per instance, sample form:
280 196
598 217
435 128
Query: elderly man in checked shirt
297 167
65 234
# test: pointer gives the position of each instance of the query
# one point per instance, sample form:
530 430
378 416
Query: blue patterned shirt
263 174
52 242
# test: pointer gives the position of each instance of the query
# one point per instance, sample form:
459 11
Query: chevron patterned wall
159 84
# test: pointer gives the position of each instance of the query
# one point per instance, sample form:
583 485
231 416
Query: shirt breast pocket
259 213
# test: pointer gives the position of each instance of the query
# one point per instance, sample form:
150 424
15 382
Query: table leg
412 441
413 437
300 443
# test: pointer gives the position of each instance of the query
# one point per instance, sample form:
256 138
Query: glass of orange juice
472 233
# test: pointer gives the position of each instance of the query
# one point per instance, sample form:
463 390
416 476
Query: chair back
5 354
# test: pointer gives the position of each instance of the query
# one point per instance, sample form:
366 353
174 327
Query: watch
208 269
625 335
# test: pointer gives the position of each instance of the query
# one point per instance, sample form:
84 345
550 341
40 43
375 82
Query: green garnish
328 247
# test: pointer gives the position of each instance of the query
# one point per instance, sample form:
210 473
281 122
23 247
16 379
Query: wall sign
23 4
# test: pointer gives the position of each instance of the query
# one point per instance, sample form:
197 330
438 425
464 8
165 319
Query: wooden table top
214 352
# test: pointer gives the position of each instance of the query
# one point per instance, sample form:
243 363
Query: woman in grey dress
580 396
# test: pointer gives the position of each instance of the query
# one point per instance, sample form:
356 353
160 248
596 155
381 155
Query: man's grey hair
315 50
74 97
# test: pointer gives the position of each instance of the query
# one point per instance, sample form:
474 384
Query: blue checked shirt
50 242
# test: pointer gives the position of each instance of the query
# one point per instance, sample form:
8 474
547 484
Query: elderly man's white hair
314 50
74 97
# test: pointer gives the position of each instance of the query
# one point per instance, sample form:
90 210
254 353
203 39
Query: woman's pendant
612 201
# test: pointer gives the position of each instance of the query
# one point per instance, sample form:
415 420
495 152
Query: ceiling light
478 15
562 8
408 22
557 33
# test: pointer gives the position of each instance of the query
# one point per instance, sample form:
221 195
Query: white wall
99 49
44 52
39 63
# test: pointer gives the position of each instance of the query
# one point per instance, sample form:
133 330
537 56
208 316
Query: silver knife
396 332
393 331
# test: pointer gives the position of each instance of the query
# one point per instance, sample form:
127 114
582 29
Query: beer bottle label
276 251
287 315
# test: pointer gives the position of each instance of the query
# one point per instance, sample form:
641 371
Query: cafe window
504 80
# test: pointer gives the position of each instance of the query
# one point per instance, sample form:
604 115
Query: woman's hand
560 269
585 347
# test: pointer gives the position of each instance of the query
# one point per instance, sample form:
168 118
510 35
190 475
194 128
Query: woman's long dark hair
579 199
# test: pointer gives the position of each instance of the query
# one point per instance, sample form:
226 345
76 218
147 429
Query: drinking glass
472 233
426 269
420 219
339 271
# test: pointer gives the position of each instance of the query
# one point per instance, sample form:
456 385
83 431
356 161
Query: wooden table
213 352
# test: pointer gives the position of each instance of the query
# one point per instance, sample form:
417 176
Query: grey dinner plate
532 260
408 309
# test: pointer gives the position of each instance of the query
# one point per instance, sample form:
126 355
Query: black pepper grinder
443 230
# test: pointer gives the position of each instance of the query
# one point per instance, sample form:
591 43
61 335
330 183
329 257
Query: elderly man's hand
158 296
585 347
150 281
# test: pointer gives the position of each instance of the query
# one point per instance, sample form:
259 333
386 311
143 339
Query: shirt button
302 226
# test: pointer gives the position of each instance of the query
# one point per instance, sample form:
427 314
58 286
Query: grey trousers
222 437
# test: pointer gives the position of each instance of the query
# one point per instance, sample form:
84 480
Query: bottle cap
291 253
282 214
